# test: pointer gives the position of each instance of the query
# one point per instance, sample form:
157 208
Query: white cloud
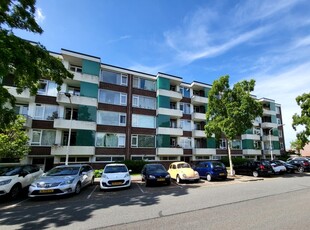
39 16
124 37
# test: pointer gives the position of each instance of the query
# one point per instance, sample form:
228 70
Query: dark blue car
155 174
211 170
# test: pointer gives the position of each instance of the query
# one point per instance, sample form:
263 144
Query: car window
115 169
174 166
183 165
218 165
63 171
155 168
10 170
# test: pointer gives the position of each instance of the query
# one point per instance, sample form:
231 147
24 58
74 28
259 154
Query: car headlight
126 175
151 177
67 182
4 182
184 175
33 185
168 176
104 176
196 173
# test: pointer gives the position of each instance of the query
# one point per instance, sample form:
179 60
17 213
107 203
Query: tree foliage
21 61
297 145
303 120
231 111
14 140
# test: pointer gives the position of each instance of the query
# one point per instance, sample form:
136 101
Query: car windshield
155 168
218 165
115 169
63 171
10 170
183 165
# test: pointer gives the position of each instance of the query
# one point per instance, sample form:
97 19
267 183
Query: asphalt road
272 203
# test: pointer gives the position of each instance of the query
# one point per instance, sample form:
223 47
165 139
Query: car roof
74 165
116 164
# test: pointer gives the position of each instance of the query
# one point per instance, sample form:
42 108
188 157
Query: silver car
62 180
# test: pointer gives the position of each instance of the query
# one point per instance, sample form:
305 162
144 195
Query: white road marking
140 188
14 205
92 192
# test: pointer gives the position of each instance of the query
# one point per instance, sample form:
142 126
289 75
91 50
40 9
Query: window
143 141
143 158
75 159
143 102
112 97
77 69
185 92
236 144
186 125
48 88
279 121
73 91
109 158
110 140
143 121
43 137
202 157
142 83
111 118
168 159
46 112
256 131
257 145
222 144
21 109
114 78
185 142
186 108
280 133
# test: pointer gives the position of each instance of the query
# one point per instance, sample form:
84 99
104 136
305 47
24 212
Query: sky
201 40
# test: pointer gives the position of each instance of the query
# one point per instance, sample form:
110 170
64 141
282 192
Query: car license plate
116 183
269 172
47 191
222 174
161 179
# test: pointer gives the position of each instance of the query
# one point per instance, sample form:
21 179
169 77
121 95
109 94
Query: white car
277 167
14 178
61 180
115 176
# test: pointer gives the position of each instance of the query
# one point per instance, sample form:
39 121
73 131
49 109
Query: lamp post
69 136
270 142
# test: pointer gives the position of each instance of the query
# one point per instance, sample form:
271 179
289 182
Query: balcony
23 97
273 138
204 151
169 131
269 125
250 137
275 152
169 151
198 100
269 112
82 125
76 100
252 152
173 95
73 150
83 77
198 133
198 116
173 113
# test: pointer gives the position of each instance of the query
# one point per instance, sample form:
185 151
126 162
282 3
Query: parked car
14 178
61 180
289 167
155 174
115 176
211 170
182 171
301 164
255 168
277 167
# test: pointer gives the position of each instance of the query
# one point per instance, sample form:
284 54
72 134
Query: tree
231 111
304 119
297 145
22 62
14 140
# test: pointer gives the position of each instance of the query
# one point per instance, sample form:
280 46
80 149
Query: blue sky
200 40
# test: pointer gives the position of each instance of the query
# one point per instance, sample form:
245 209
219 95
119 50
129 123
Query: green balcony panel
88 90
207 92
163 141
273 119
272 106
163 83
249 131
211 143
248 144
163 102
276 145
87 113
91 67
163 121
85 138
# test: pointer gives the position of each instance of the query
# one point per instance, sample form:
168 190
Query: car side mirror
23 174
129 170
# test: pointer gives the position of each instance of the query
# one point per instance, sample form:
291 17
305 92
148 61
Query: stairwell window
43 137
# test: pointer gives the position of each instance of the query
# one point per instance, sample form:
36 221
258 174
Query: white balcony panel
252 152
28 122
169 151
174 113
169 131
23 97
204 151
77 100
85 77
250 137
199 116
273 138
175 96
269 125
199 100
83 125
275 152
269 112
198 133
73 150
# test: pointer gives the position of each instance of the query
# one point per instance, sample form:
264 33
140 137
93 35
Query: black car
255 168
289 167
302 164
155 174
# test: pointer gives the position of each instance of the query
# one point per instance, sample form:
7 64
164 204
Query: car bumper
106 184
190 178
159 180
52 191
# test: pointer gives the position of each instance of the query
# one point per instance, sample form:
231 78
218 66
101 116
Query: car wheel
301 169
209 177
178 179
255 173
77 188
169 182
224 178
15 190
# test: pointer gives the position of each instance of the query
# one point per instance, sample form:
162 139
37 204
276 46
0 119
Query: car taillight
262 167
306 163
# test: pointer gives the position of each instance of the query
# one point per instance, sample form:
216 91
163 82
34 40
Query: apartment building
108 113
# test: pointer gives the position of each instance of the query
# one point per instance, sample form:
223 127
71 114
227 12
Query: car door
84 176
201 169
173 171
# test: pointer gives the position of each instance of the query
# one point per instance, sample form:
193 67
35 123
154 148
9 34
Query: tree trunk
230 161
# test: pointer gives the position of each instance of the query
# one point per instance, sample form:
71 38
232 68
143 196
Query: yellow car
182 171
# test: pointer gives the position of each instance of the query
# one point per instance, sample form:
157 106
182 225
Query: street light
270 143
69 137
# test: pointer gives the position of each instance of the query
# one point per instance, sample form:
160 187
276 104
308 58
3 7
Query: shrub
98 173
134 166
